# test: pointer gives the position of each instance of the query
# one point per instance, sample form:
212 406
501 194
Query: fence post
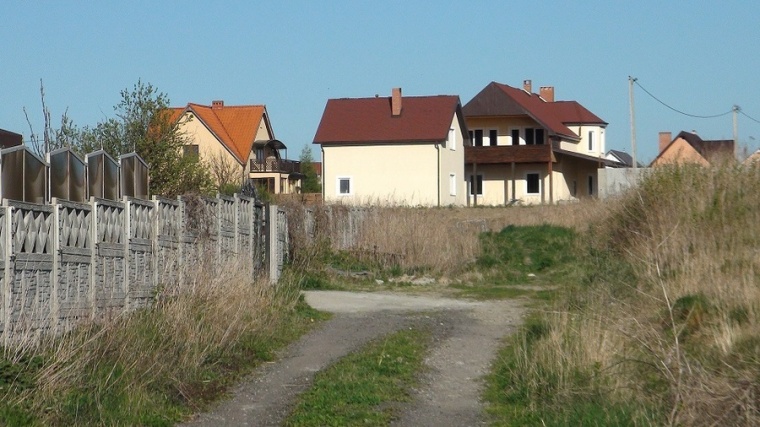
272 244
8 256
127 234
55 308
94 258
181 241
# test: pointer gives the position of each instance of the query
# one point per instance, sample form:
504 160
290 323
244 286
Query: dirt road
466 337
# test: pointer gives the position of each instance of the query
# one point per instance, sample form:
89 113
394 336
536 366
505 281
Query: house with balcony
237 143
397 150
528 148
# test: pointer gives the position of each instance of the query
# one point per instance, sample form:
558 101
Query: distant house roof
708 149
10 139
370 120
234 126
498 99
623 158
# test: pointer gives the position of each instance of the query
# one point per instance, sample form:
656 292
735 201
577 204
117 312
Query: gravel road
466 337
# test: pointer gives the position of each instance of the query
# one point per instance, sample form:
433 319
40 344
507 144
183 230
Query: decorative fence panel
66 262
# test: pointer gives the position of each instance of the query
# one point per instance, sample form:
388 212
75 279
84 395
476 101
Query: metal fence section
65 262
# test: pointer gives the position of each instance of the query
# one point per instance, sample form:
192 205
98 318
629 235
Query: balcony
508 154
274 165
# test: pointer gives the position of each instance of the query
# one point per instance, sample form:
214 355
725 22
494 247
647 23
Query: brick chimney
217 105
528 86
396 101
665 138
547 92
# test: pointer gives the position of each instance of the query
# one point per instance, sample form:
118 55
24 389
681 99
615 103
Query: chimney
547 92
217 105
396 102
665 138
528 86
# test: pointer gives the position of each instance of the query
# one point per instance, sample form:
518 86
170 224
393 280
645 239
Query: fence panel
110 258
74 271
140 285
168 230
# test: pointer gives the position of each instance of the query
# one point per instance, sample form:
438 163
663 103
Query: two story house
237 143
397 150
528 148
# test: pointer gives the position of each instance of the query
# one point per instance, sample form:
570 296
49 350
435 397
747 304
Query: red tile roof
234 126
498 99
369 120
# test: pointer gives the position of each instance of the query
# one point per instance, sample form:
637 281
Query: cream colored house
397 150
237 143
528 148
688 147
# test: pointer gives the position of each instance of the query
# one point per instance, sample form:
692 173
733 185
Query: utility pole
631 80
736 110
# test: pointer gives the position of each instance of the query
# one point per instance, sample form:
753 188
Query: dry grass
677 338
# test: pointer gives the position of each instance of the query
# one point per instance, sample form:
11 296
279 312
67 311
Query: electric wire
679 111
747 116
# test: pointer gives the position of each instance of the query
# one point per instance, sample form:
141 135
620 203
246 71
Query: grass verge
361 388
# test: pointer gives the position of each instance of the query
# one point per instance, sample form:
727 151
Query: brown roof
9 139
708 149
234 126
498 99
369 120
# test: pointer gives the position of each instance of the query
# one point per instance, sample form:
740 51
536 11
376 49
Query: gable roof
708 149
498 99
622 157
369 120
234 126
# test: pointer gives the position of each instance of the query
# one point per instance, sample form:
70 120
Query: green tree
143 124
311 182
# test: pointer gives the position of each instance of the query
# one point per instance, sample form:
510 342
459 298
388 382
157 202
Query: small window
591 185
533 183
590 140
539 136
344 186
515 136
452 141
478 141
493 137
452 184
476 185
190 150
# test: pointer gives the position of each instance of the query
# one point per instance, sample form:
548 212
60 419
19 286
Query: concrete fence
63 262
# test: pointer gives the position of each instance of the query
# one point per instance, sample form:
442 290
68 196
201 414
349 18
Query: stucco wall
209 148
680 151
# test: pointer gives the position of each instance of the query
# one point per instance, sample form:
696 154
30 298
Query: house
238 143
9 139
397 150
529 148
620 159
688 147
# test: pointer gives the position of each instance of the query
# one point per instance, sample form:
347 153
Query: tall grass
671 336
155 366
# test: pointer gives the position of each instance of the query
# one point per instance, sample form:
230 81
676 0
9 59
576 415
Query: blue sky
699 57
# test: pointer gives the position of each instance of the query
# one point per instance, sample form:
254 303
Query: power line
679 111
747 116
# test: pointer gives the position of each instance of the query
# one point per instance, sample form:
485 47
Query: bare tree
226 172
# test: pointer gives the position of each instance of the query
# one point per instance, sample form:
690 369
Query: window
515 136
452 141
190 150
529 136
493 135
476 185
533 183
539 136
344 186
590 140
452 184
478 140
591 185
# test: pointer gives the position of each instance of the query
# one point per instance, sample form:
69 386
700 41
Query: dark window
575 188
539 136
492 136
472 137
478 141
260 154
515 136
590 141
344 185
590 185
529 136
476 185
534 184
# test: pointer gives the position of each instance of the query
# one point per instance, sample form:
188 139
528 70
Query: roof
498 99
623 158
9 139
234 126
708 149
369 120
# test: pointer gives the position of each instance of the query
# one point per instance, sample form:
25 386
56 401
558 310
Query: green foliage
143 124
359 389
311 183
